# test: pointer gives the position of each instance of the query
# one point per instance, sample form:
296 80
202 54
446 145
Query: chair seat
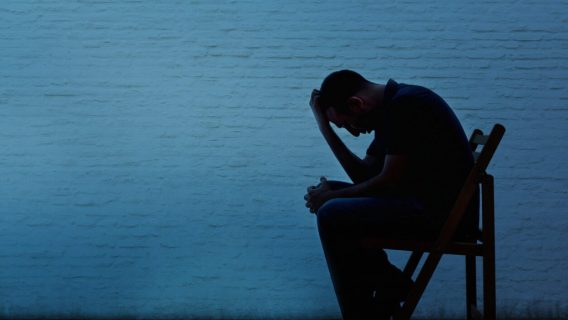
456 247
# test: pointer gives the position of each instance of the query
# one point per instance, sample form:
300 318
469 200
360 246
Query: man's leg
361 278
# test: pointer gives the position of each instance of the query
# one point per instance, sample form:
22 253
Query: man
405 186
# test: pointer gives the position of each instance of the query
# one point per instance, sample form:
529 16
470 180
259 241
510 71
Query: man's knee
331 214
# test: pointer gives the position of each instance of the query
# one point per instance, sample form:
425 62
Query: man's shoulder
417 102
414 93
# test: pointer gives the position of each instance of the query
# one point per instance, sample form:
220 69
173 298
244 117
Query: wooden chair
483 246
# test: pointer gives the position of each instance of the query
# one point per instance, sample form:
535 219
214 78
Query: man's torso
417 123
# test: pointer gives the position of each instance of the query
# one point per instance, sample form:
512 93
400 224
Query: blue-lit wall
154 154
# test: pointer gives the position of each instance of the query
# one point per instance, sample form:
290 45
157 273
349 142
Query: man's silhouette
403 187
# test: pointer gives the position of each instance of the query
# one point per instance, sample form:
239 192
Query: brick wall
154 155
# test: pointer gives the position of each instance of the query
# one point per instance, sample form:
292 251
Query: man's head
348 99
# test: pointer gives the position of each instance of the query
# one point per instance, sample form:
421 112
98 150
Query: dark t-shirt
418 123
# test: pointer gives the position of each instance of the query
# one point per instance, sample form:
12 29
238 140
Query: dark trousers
365 283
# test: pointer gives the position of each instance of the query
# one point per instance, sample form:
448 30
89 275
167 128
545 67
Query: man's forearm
367 188
355 168
391 179
377 185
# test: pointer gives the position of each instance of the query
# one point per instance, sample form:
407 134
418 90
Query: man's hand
319 114
318 195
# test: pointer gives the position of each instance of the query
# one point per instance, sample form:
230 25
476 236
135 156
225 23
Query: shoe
394 285
390 292
384 310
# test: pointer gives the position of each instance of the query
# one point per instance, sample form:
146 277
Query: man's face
355 122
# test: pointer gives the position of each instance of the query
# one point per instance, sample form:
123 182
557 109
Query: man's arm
356 168
390 179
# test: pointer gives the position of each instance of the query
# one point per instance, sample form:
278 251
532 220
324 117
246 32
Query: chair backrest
482 158
489 142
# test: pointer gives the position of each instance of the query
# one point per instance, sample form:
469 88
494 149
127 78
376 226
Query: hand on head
319 113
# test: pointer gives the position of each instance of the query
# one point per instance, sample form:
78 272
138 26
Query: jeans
364 279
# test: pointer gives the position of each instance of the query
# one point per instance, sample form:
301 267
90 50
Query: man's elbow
363 175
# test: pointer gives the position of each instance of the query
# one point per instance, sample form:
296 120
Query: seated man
404 187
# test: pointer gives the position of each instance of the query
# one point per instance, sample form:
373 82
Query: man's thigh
396 217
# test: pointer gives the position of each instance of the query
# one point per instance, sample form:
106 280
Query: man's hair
337 87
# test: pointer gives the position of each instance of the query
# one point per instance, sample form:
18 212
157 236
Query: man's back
418 123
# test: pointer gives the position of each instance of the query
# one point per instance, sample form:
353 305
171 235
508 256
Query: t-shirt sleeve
376 148
403 127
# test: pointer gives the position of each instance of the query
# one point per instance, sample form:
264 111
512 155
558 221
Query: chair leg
470 284
412 263
488 207
419 286
489 306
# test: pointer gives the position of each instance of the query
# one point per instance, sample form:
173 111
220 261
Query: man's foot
390 292
394 285
384 310
390 286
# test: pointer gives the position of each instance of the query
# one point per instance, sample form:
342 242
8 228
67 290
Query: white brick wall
154 155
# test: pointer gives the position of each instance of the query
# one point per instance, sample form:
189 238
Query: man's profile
404 187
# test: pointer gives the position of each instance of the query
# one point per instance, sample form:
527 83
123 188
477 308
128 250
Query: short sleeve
377 147
404 127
